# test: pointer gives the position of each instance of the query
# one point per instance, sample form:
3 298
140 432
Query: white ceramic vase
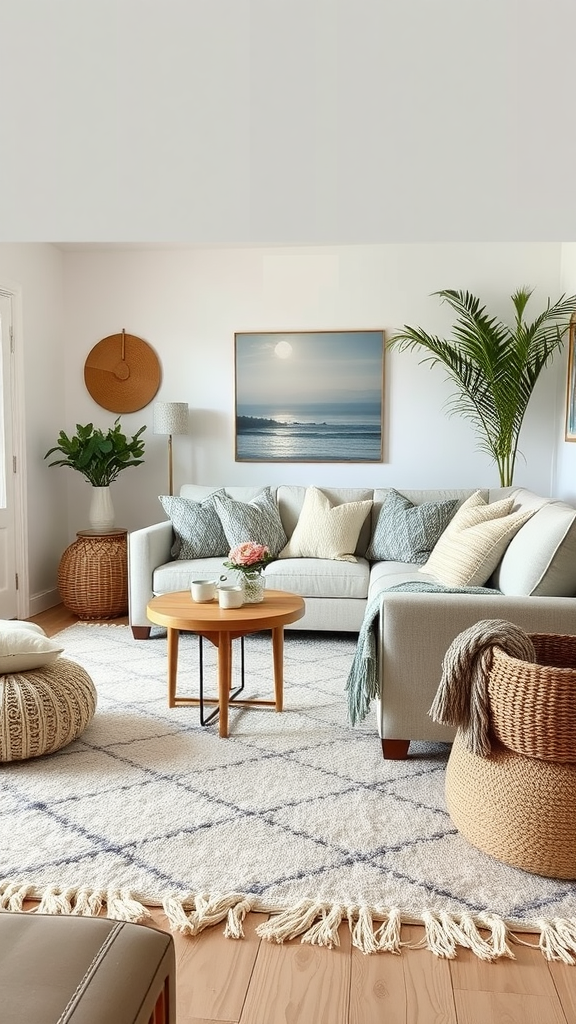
101 515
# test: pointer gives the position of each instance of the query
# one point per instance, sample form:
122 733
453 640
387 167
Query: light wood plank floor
255 982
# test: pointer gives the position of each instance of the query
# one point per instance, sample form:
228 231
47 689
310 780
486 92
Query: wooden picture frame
309 396
570 425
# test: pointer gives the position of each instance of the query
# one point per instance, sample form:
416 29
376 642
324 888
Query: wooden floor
254 982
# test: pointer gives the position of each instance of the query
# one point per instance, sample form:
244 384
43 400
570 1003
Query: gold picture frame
570 427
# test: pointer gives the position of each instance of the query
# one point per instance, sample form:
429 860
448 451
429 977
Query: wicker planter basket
520 810
93 575
533 706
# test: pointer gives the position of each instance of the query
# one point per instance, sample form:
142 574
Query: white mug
230 597
203 590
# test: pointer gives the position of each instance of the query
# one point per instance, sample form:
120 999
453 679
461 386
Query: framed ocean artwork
570 432
309 396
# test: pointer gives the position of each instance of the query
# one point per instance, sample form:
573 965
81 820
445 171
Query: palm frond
494 366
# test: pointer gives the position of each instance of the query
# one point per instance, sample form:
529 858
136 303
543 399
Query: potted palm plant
494 366
100 457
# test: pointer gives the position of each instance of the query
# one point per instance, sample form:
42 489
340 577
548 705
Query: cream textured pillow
474 541
24 649
324 530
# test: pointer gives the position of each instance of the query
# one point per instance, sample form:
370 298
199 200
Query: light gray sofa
536 574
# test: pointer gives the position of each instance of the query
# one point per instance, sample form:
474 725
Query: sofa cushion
257 520
325 530
541 559
24 649
178 575
320 577
196 525
473 543
406 532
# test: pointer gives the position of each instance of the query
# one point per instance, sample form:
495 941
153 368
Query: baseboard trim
42 602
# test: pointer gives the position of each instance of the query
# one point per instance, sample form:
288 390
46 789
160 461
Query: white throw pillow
324 530
24 649
474 541
21 624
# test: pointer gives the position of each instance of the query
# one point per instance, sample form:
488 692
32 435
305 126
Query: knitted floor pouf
43 709
520 810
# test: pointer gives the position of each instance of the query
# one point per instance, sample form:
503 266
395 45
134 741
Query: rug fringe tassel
205 911
88 902
498 935
55 900
234 919
372 930
362 930
12 895
557 939
123 906
387 936
84 902
292 922
324 932
443 933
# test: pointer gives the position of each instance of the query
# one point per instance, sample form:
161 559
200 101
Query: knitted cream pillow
473 543
324 530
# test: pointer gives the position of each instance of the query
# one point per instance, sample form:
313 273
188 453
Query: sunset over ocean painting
309 397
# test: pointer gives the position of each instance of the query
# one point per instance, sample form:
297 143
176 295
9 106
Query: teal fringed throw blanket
362 685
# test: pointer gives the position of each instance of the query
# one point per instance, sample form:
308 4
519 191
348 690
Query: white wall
187 303
35 272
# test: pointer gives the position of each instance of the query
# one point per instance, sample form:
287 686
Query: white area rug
294 812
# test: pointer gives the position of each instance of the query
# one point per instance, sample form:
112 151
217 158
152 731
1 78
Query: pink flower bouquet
248 557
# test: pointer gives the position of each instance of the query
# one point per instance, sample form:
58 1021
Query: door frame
14 293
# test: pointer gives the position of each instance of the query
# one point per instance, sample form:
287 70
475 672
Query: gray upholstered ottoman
84 970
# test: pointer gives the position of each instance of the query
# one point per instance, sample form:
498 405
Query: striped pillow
470 548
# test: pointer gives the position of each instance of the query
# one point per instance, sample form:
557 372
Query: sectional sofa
530 561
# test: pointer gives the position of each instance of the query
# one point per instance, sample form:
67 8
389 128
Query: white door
8 582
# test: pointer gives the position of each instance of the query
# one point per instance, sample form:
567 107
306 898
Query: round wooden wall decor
122 373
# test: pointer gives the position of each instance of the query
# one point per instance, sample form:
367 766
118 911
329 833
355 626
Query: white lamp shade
170 417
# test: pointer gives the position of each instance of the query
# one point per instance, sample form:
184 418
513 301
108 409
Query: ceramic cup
203 590
230 597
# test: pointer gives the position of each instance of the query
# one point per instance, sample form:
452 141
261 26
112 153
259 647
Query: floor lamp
170 418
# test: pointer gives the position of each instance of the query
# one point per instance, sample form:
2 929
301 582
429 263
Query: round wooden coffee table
177 611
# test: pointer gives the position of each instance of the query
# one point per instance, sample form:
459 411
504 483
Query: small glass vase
254 584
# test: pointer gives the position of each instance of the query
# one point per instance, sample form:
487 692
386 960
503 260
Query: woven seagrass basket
93 576
533 705
518 809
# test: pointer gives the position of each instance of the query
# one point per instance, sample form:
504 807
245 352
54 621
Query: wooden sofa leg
141 632
395 750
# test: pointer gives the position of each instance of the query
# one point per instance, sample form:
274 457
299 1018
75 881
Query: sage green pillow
406 532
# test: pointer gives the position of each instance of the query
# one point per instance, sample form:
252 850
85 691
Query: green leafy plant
494 366
99 456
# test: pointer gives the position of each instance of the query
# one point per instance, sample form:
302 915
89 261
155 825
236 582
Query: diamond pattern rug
296 813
